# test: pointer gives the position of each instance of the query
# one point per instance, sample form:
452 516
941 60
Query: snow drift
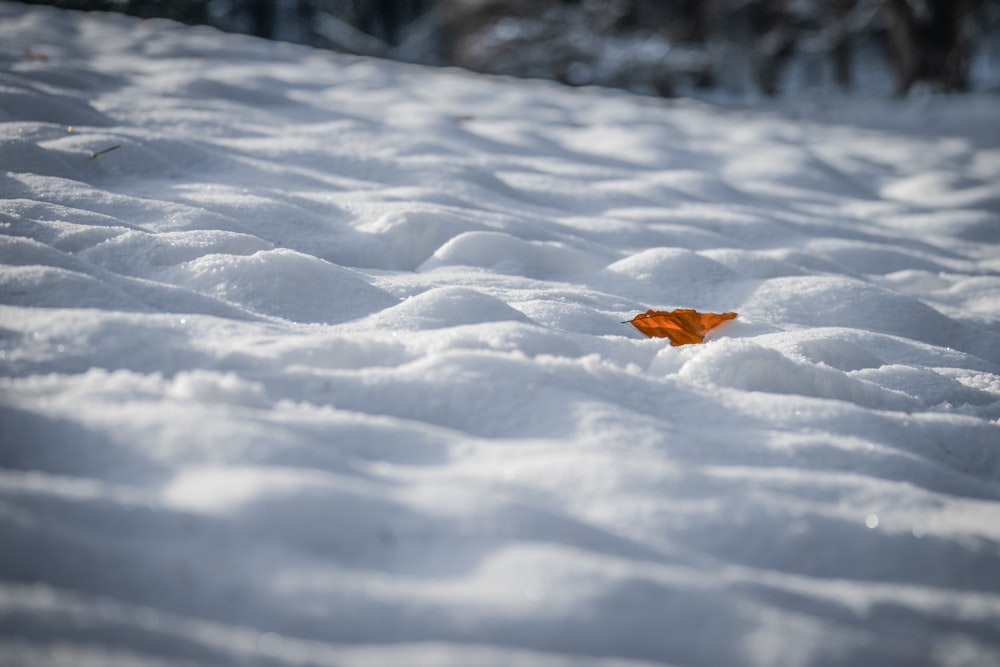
324 364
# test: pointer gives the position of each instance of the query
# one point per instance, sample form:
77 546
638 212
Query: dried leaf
36 56
681 326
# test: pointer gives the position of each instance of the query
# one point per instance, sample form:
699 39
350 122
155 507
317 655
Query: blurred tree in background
662 47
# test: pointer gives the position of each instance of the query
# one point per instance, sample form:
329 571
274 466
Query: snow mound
442 307
505 253
283 283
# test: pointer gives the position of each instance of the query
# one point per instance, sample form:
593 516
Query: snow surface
325 365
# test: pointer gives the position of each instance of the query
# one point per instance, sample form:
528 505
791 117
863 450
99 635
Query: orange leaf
681 326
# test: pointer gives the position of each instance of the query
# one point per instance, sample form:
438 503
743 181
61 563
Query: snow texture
324 364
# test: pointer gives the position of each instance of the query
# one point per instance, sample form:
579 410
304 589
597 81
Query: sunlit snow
325 364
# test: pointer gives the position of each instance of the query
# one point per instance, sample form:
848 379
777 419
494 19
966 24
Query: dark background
658 47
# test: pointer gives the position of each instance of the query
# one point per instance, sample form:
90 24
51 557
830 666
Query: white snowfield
324 364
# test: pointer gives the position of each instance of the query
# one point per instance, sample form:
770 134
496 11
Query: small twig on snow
94 156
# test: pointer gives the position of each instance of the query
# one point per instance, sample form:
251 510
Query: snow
325 365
